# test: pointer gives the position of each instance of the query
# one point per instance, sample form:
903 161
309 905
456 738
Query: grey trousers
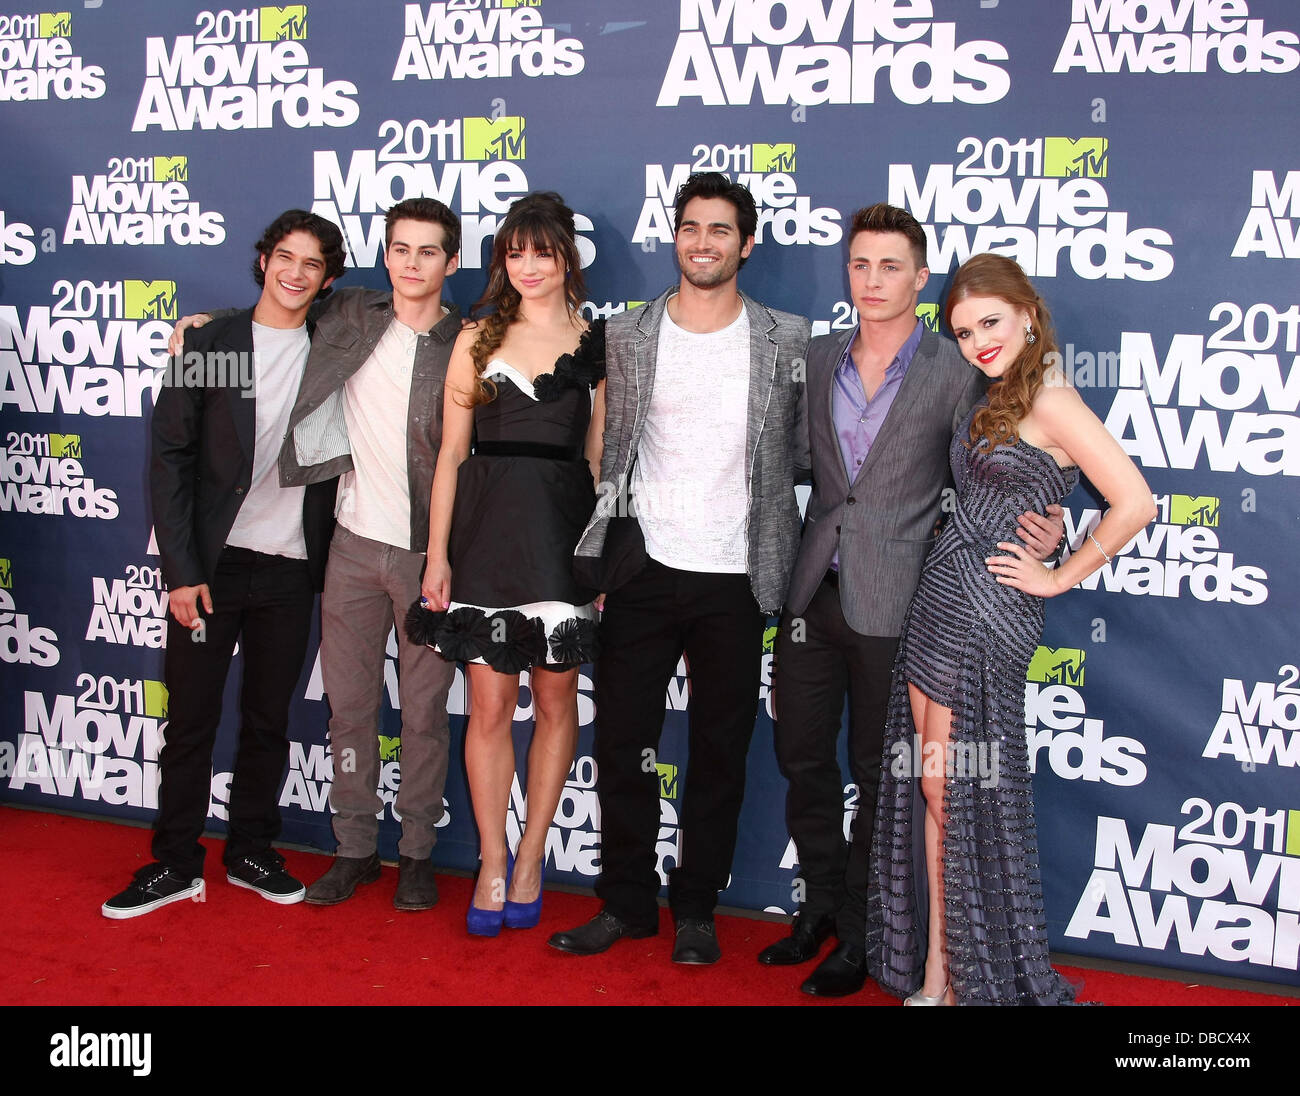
368 588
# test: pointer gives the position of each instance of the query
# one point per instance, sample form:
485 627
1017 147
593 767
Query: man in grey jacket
704 427
370 407
885 400
370 411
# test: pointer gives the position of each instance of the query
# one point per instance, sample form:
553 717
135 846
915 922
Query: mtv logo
1056 666
154 300
519 3
629 305
667 780
1071 157
390 749
171 169
285 24
772 157
65 445
1193 510
1293 833
930 314
769 640
56 24
494 138
155 699
6 575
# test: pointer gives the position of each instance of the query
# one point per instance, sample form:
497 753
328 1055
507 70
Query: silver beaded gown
967 642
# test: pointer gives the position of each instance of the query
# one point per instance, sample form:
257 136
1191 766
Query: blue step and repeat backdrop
1137 158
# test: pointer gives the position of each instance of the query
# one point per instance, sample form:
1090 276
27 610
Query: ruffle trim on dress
421 624
504 639
584 368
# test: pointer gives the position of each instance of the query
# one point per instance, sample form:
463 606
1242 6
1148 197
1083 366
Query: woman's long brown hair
1012 395
539 220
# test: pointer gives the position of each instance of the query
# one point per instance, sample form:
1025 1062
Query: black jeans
265 602
647 626
811 676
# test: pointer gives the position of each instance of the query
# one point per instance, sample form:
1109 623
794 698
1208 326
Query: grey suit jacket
316 446
883 521
776 432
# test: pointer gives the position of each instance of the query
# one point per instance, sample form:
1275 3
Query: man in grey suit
884 402
705 424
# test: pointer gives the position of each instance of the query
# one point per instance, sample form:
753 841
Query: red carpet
238 949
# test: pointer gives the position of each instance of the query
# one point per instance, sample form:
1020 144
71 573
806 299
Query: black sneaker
264 872
152 888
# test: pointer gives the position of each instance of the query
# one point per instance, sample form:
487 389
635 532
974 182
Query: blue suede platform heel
526 915
488 922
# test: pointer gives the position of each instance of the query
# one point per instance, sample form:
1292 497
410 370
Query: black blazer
201 464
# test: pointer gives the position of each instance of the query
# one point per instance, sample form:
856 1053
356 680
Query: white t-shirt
374 499
689 482
270 519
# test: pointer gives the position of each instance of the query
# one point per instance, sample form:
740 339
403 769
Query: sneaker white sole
194 891
279 899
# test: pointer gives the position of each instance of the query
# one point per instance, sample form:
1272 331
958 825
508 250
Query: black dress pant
819 659
647 626
265 602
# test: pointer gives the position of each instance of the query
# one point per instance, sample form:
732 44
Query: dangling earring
1030 337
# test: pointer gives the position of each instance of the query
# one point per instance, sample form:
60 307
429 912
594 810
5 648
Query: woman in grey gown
970 927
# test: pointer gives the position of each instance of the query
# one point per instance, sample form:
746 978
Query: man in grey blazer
705 425
884 402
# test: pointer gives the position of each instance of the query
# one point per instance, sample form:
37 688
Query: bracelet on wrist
1099 548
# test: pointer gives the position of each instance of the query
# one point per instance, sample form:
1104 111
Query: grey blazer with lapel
776 432
883 520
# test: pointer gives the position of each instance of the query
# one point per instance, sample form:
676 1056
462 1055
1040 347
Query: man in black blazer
242 558
884 401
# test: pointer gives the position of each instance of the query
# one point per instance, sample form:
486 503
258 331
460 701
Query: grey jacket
883 521
776 432
316 447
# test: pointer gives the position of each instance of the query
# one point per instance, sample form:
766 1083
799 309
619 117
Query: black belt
524 449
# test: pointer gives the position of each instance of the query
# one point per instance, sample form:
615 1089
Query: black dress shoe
697 942
842 972
804 942
598 934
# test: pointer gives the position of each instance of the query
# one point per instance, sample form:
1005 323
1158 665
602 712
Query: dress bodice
996 486
517 414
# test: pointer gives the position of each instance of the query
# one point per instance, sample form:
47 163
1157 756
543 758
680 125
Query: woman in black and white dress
523 391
